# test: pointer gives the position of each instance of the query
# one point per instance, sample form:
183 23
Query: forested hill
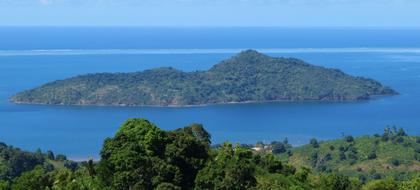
14 161
246 77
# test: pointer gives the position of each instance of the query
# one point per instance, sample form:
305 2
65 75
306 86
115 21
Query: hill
392 154
246 77
14 161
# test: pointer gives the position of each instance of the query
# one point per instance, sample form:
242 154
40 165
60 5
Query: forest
143 156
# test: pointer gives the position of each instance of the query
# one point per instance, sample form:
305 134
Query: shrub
372 155
395 162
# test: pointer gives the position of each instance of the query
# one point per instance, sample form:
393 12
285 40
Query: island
248 76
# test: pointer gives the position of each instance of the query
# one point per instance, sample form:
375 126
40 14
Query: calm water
79 131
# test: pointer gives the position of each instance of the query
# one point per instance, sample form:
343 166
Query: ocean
32 56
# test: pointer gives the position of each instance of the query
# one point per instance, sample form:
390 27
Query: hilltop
246 77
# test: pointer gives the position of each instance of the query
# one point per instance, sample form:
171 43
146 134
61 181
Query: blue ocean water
30 57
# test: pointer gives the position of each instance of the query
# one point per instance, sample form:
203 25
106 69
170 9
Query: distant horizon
215 27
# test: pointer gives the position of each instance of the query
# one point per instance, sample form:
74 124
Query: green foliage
248 76
395 162
232 168
335 182
36 179
314 143
368 156
413 184
14 161
50 155
372 155
349 138
143 156
385 184
278 147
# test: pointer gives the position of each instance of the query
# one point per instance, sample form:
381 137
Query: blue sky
287 13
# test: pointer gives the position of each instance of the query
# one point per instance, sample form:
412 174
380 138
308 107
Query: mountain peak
250 56
250 53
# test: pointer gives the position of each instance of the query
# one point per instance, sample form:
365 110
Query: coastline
207 104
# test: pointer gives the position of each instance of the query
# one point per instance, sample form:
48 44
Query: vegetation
247 77
142 156
392 154
14 162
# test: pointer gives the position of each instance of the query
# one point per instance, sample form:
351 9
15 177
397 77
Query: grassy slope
385 151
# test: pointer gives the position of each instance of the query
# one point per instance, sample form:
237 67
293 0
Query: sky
226 13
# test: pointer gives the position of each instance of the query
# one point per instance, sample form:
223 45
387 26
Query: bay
78 131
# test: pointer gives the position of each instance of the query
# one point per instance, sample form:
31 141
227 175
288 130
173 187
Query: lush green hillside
247 77
13 161
392 154
142 156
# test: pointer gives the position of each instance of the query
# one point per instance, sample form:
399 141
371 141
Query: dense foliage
13 161
142 156
248 76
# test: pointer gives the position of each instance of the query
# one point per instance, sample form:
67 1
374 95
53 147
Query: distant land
246 77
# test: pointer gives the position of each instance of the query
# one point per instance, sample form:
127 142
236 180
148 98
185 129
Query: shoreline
204 105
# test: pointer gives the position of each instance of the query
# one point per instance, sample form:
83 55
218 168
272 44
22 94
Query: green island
143 156
246 77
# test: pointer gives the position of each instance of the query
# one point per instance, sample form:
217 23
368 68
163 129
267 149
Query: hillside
142 156
246 77
14 161
367 157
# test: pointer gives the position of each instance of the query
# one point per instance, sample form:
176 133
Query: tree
50 155
386 135
372 155
278 147
232 168
90 167
401 132
271 163
314 143
142 156
335 182
342 156
349 138
395 162
197 131
36 179
314 158
302 174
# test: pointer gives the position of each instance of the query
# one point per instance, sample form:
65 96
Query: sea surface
30 57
